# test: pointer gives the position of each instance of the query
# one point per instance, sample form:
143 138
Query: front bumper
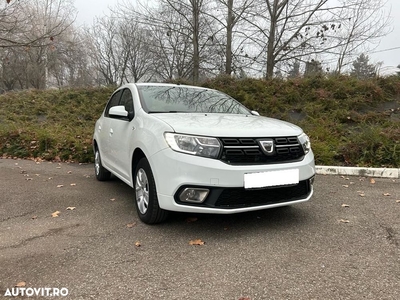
175 171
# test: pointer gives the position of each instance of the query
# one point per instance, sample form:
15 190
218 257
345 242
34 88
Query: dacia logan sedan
197 150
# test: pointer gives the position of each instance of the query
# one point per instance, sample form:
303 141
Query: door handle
111 131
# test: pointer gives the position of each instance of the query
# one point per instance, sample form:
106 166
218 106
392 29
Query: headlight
195 145
305 142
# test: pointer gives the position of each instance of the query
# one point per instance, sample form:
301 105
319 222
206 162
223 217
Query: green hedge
350 122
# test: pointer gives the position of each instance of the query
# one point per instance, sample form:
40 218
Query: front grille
240 197
239 151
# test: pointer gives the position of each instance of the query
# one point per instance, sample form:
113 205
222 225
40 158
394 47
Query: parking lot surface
62 229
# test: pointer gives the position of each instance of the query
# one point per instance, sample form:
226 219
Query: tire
102 174
146 200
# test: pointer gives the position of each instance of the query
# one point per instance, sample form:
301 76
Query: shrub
349 121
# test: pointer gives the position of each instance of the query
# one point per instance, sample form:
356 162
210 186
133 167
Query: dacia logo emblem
267 146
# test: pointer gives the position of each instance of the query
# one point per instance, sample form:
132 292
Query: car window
114 101
171 99
127 100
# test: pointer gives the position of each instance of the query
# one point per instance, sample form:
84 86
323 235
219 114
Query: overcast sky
88 9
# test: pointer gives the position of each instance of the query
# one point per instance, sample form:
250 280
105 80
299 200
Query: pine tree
313 68
362 69
295 71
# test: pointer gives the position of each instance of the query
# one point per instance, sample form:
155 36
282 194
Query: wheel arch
95 145
137 155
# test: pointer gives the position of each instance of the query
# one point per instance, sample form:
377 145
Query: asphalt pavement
62 230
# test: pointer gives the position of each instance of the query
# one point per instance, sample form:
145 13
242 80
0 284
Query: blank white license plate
269 179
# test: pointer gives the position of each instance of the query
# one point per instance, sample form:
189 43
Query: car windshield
172 99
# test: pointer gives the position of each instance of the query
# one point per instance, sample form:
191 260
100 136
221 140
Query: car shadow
280 217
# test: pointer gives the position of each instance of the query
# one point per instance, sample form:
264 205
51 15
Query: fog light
194 195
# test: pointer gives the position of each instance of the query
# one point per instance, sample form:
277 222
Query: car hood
228 125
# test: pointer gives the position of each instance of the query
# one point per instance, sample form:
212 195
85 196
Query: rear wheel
146 200
102 174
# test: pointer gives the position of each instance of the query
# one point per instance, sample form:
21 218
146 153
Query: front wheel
146 200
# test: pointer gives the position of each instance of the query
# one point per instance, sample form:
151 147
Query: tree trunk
229 28
196 33
271 40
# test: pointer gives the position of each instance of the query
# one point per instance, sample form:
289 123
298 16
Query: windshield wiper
169 112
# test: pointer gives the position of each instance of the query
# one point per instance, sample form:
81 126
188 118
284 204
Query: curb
353 171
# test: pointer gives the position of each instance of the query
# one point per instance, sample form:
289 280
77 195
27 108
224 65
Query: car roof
169 84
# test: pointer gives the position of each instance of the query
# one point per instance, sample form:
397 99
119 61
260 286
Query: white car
197 150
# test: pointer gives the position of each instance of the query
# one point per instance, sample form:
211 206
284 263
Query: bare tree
172 49
291 29
228 14
69 62
108 52
191 13
34 22
29 31
301 30
137 41
362 23
180 36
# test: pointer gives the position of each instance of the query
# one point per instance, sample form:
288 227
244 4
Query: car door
103 131
121 131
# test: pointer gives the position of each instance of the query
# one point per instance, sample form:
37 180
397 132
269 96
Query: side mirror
118 111
255 113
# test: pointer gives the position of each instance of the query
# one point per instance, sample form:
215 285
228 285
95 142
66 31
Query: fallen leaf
197 242
71 208
191 220
112 199
361 193
372 181
386 194
138 244
34 218
28 179
345 205
244 298
397 201
73 184
344 221
56 214
345 185
130 225
69 172
21 284
60 185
